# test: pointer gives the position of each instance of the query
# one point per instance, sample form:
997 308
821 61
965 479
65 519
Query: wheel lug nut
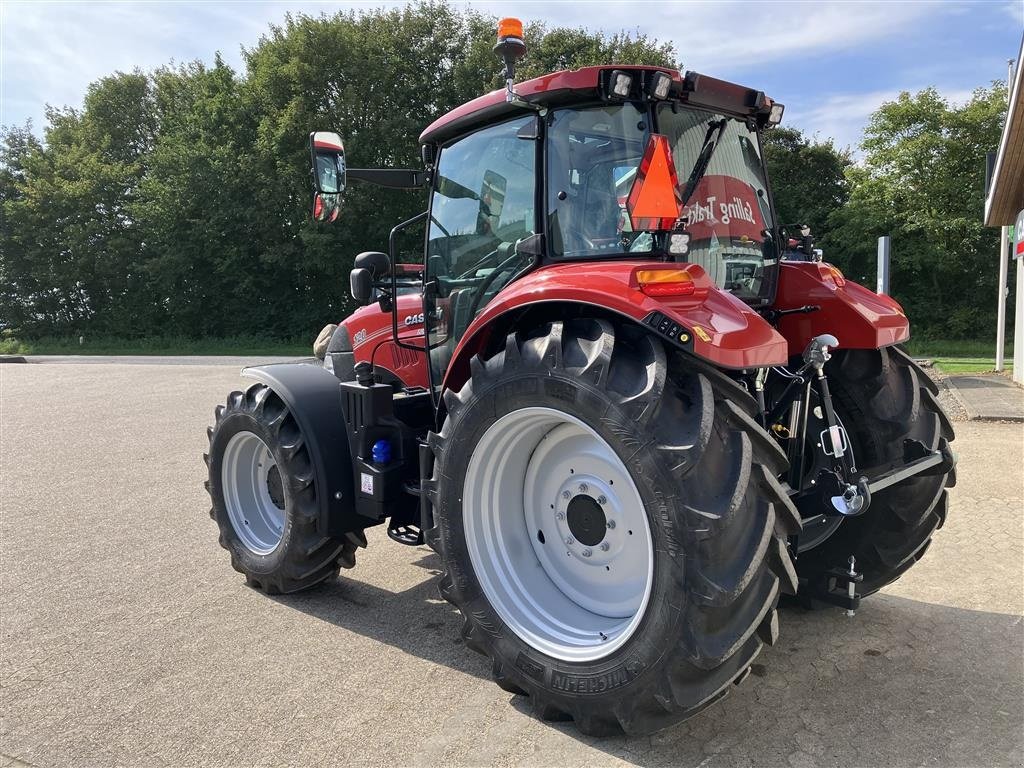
587 553
569 540
602 500
583 487
611 524
566 495
560 515
605 546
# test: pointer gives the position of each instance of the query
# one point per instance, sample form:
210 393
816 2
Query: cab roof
585 84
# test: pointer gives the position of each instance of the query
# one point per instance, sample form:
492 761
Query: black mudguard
313 397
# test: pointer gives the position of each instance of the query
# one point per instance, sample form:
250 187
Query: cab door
483 202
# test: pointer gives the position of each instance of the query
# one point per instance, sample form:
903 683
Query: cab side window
482 204
483 197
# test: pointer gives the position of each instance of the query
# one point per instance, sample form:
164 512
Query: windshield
592 161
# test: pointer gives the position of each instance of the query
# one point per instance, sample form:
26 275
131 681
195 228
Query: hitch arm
942 458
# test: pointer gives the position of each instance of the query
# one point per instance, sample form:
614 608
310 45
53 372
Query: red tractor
624 424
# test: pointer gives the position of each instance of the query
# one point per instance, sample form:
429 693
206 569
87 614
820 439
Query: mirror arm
395 178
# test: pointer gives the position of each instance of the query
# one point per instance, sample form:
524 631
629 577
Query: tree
922 183
70 243
808 178
178 201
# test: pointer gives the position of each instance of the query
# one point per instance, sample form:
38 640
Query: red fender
858 317
721 328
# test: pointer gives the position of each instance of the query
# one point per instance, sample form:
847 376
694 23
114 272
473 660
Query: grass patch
961 355
961 348
970 364
160 345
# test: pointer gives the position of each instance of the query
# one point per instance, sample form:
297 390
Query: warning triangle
654 200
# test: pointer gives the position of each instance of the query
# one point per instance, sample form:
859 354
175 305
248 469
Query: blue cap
381 452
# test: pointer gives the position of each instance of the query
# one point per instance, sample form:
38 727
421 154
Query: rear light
837 276
665 282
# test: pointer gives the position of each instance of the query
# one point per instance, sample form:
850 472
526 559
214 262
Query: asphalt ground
127 639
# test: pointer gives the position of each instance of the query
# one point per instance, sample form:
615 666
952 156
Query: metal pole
1004 256
1004 263
882 285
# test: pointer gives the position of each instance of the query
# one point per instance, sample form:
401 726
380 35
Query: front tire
679 604
264 495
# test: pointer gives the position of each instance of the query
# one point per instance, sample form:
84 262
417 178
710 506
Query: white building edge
1004 203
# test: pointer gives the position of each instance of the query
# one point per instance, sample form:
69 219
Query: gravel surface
948 398
127 639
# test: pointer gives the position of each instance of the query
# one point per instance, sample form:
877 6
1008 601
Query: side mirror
367 268
361 285
327 156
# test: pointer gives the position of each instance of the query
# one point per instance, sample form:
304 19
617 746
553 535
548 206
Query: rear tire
705 474
884 398
264 494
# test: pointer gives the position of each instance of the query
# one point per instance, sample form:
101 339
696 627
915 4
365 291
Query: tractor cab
599 165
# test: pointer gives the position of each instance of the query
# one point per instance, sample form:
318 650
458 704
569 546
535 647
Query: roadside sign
1018 235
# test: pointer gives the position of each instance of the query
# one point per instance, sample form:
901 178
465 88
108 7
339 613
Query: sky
831 63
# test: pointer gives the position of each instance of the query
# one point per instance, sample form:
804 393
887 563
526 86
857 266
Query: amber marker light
835 275
665 282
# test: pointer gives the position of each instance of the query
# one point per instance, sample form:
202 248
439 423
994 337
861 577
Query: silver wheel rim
534 486
246 475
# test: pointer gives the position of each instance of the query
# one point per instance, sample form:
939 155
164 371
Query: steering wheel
488 280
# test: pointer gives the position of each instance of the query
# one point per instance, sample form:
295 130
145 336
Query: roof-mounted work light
510 47
658 85
775 113
620 83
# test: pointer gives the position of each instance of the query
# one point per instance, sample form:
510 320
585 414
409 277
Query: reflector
654 199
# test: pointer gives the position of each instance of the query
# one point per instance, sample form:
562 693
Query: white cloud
843 117
717 35
1015 10
51 51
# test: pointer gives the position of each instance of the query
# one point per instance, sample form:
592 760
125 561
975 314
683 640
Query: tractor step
407 534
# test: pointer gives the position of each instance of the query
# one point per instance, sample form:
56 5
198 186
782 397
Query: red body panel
737 337
858 317
369 330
